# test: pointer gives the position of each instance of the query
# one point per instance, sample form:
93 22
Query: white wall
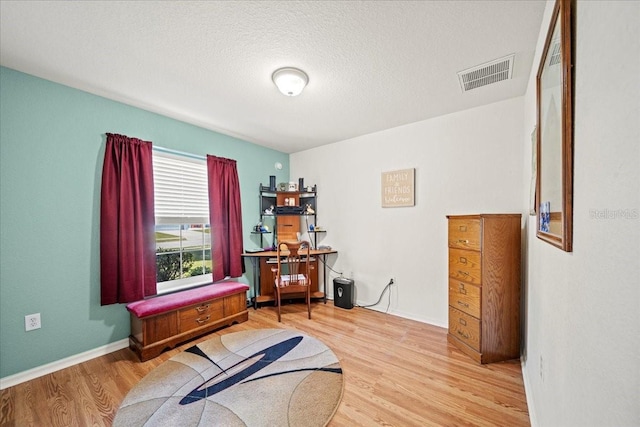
581 307
468 162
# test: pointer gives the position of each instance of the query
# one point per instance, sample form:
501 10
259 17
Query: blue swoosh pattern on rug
258 361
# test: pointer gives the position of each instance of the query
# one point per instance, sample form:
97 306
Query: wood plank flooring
397 372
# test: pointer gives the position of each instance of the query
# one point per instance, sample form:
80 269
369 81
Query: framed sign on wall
398 189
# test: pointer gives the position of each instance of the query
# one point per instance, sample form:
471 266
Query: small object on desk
253 251
324 248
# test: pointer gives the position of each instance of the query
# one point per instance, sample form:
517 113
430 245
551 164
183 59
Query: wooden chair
292 276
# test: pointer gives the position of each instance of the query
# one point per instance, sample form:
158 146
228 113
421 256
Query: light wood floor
397 372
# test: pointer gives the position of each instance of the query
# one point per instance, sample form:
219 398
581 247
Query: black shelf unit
270 199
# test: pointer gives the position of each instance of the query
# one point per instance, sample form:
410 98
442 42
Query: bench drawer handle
205 320
462 322
464 273
202 308
464 304
462 228
463 260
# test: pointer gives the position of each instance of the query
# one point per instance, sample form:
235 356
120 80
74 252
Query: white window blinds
181 189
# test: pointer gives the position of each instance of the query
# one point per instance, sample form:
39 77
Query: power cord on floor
380 299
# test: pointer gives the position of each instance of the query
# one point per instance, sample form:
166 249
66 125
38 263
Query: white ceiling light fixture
290 81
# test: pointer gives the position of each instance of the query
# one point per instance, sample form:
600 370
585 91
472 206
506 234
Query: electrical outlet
32 321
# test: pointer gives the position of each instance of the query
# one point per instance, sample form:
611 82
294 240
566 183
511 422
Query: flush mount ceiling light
290 81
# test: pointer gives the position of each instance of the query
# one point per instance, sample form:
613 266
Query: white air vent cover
555 56
486 74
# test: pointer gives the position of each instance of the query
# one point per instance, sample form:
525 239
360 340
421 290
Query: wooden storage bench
162 322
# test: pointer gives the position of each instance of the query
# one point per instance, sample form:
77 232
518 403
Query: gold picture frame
554 99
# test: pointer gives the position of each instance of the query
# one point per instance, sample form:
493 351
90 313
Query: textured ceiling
372 65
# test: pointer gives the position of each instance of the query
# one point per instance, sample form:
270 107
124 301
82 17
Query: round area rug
264 377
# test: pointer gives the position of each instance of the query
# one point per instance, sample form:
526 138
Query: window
183 238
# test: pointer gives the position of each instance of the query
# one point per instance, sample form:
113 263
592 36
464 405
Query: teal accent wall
52 140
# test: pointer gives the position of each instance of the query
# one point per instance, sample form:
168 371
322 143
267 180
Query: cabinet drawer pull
464 273
463 260
463 241
462 228
462 321
205 320
202 308
464 304
466 336
461 288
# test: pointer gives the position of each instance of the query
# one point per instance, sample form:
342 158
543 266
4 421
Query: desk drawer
464 233
465 265
464 297
201 314
465 328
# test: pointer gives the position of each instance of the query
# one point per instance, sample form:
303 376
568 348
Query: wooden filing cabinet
484 285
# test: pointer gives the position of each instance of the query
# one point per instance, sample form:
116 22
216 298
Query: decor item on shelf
289 210
282 186
272 183
309 210
309 188
290 81
293 186
269 210
261 228
217 382
301 184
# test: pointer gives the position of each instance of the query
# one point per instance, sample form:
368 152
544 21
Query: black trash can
343 293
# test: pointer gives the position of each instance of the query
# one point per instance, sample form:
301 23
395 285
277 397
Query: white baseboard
39 371
528 393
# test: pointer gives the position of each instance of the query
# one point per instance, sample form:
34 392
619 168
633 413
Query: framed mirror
554 171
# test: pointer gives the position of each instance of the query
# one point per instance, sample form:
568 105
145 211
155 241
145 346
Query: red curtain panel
127 223
225 217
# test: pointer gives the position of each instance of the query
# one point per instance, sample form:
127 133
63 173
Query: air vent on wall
555 56
486 74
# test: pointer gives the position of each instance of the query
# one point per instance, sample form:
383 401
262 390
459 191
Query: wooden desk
263 276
